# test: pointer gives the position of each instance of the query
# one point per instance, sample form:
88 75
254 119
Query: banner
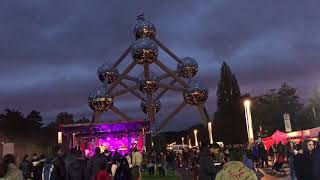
287 122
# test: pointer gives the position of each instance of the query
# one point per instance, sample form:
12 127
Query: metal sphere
107 74
195 94
188 67
99 100
155 105
149 85
144 29
144 50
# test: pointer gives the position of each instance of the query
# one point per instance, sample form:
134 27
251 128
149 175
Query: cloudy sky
50 49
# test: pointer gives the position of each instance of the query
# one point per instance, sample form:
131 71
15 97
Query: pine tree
229 118
34 120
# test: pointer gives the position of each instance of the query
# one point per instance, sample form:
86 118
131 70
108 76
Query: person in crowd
316 160
298 163
3 168
34 162
102 173
39 167
195 166
272 151
136 163
151 167
113 169
263 156
95 163
77 167
128 158
26 167
256 153
107 155
117 156
162 164
303 161
10 170
235 169
123 171
290 153
279 161
54 166
249 163
207 169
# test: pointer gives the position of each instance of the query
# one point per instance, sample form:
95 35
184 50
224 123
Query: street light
247 104
210 132
190 143
195 137
182 139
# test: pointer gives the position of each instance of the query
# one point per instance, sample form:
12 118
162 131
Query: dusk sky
50 49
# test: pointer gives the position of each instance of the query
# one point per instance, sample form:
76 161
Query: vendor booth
116 135
295 136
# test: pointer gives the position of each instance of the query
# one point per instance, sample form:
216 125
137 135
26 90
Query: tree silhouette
12 123
268 109
229 119
83 120
64 118
34 120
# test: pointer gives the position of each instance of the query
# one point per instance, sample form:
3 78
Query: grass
169 176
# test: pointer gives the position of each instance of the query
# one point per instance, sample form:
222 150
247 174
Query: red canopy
277 137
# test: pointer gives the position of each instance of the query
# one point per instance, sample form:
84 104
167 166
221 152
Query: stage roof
112 127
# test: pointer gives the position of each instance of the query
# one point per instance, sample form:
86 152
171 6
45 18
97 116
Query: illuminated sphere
155 105
144 29
148 85
188 67
107 74
144 50
99 100
195 94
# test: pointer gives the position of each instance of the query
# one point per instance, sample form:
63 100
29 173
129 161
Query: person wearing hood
95 163
207 169
9 169
235 169
123 171
77 168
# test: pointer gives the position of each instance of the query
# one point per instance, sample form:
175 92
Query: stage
112 135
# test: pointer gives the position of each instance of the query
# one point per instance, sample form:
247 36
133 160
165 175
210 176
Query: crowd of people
207 163
73 166
243 161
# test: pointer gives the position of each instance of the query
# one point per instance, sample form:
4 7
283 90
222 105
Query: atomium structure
149 86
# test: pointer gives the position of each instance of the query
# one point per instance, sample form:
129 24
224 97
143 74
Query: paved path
268 175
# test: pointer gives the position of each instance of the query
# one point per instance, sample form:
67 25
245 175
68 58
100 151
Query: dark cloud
50 50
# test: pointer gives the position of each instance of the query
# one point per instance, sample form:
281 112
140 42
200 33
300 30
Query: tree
310 115
34 120
13 123
83 120
230 126
268 109
64 118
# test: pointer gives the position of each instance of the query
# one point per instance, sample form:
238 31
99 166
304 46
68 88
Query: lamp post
182 139
247 104
190 144
195 137
210 132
